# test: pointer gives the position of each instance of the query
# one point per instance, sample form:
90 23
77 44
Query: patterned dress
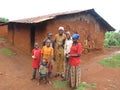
59 53
74 70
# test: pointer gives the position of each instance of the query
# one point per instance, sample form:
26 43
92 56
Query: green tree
117 37
3 19
112 39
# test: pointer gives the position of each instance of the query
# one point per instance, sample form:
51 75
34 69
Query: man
59 51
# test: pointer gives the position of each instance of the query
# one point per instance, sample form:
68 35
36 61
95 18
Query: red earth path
15 71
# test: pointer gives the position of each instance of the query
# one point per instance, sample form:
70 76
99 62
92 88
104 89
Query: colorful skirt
73 75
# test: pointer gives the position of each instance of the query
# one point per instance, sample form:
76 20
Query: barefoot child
43 71
36 56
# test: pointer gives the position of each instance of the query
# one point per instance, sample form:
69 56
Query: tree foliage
3 19
112 39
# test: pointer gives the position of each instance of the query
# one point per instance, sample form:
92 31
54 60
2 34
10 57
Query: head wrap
75 36
61 28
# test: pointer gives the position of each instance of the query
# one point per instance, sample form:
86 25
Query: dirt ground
15 71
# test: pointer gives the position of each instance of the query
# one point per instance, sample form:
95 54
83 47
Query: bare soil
15 71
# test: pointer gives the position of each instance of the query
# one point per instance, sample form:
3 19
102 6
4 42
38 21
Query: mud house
3 30
91 27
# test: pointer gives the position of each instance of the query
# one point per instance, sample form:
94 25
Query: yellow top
47 53
59 40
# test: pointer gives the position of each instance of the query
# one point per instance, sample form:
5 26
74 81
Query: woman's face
75 40
60 32
68 36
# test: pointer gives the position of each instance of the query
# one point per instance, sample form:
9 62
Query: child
36 56
43 71
47 54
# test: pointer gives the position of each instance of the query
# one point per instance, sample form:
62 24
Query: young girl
47 54
36 56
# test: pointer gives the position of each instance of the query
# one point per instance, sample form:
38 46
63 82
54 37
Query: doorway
32 36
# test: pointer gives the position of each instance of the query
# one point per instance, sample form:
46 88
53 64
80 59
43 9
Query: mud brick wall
22 37
84 24
19 36
4 31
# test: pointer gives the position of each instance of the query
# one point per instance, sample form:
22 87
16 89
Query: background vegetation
112 39
3 19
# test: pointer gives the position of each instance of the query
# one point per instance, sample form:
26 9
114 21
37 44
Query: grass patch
7 52
82 86
60 84
1 39
111 61
94 85
85 85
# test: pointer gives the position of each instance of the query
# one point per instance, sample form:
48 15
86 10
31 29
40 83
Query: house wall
4 31
19 36
83 24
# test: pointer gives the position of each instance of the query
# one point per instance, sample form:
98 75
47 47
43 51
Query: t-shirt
75 49
43 69
47 53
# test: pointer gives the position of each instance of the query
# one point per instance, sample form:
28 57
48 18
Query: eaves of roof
39 19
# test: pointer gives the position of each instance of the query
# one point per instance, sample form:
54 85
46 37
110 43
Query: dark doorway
32 35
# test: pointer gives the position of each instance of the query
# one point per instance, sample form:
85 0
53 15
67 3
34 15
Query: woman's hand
68 55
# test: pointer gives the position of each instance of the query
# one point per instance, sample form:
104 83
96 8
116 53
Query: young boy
43 71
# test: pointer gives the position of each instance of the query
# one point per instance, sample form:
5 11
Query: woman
74 62
36 56
59 51
67 46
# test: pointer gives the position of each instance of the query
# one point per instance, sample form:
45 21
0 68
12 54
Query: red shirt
37 54
75 49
